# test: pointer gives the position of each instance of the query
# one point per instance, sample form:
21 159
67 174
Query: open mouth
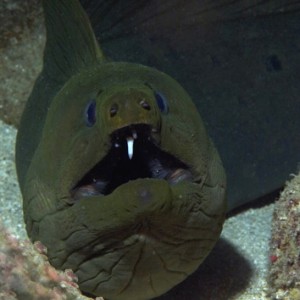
133 154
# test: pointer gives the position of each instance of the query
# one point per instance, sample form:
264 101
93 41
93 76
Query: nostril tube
144 104
113 110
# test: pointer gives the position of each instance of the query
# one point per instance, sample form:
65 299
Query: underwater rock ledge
22 38
285 244
25 272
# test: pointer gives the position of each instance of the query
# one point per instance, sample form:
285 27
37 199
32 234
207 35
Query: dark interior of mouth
117 168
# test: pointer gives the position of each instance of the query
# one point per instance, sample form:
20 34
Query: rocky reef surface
285 244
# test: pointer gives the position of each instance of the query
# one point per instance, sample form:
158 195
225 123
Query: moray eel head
131 117
125 187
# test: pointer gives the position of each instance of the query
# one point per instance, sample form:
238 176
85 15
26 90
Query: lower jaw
94 189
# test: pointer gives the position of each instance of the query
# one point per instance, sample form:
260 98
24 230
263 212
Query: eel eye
90 113
161 102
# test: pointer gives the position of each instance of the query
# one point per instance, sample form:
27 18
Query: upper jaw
134 153
126 137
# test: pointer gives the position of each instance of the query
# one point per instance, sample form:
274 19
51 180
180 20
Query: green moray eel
119 179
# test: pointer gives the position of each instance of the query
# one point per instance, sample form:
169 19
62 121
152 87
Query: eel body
119 178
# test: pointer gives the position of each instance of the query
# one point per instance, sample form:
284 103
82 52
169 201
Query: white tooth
134 134
130 141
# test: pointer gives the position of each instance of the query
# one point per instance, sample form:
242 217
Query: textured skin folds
147 234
